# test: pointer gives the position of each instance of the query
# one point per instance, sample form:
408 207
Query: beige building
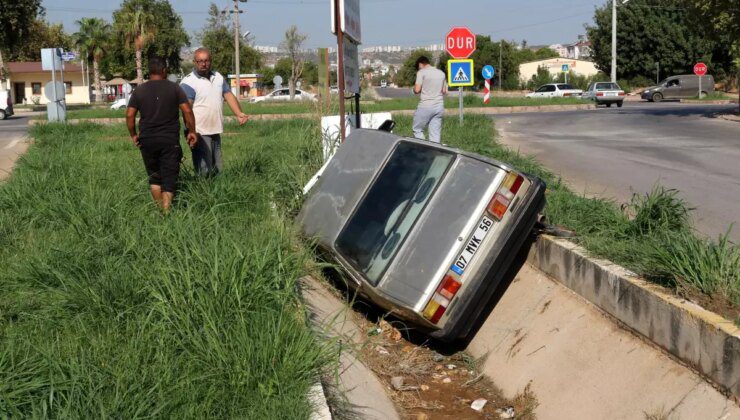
555 66
26 82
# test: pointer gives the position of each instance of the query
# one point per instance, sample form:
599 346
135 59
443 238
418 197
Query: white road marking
12 144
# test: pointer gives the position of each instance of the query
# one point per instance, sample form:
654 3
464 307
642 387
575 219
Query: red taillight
441 299
502 199
621 93
600 94
566 94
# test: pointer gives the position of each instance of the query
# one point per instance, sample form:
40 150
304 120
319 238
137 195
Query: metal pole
500 69
699 87
54 87
340 68
460 95
614 41
236 48
657 76
357 110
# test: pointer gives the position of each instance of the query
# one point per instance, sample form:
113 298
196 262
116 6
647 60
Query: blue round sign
487 72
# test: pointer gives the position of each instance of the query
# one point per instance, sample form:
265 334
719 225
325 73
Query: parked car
555 90
425 231
677 87
605 93
6 104
383 83
284 95
120 103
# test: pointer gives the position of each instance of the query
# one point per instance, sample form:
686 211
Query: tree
42 35
92 40
15 25
151 25
292 44
651 31
406 75
218 37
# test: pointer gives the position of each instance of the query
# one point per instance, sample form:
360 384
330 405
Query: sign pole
460 94
340 69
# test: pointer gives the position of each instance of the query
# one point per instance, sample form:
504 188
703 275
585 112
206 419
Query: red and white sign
460 42
700 69
487 92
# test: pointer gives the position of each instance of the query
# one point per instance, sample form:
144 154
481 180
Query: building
579 50
560 49
26 82
555 66
250 84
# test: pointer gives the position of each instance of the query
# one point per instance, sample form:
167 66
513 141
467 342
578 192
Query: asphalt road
12 142
612 152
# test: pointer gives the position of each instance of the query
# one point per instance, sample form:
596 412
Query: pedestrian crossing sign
460 73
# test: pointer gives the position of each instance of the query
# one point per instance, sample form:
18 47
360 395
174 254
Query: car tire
3 115
609 105
657 97
619 104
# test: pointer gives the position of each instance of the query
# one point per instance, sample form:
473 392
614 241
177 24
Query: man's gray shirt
432 81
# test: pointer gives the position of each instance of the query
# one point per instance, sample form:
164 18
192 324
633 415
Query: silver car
605 93
425 231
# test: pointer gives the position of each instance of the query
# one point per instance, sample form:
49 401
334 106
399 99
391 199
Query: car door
672 89
689 86
550 91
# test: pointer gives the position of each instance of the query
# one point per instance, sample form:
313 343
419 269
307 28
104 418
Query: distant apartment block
382 49
266 49
560 49
579 50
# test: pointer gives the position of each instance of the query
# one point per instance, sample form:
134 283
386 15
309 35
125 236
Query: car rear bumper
487 280
609 100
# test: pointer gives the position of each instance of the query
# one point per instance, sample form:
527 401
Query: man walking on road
432 87
206 91
160 101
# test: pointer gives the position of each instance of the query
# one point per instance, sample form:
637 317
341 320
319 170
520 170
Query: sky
384 22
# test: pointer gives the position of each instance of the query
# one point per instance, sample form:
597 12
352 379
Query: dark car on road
425 231
679 87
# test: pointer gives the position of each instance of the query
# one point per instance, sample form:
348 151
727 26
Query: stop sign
700 69
460 42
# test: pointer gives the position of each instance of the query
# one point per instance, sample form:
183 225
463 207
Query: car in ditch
423 230
605 93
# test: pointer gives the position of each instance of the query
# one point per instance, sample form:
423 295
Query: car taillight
621 93
600 94
566 94
441 299
502 199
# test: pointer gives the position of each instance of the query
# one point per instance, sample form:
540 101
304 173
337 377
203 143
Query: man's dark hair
421 60
157 65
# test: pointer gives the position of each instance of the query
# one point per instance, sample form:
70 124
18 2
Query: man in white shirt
206 90
431 86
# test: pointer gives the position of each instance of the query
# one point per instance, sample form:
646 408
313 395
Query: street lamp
614 39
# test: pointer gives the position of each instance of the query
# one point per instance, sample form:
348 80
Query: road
12 142
611 152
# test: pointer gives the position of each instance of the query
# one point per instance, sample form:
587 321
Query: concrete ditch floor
582 364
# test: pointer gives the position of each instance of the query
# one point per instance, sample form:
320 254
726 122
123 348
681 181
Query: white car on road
284 95
6 104
605 93
555 90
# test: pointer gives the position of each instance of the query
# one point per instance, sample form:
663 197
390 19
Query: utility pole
500 70
614 39
340 69
236 13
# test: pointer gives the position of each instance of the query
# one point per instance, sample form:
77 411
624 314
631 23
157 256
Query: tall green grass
651 234
108 309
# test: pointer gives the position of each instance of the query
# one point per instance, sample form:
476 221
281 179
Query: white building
560 49
266 49
555 66
580 49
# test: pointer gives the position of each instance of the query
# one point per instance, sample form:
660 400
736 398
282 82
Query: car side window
550 88
542 89
675 82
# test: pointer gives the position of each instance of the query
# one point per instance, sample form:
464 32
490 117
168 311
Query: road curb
704 340
332 319
708 102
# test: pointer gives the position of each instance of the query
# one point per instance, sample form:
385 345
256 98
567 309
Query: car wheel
3 115
609 105
619 104
657 97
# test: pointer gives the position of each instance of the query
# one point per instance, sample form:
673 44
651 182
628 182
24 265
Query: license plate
484 226
611 94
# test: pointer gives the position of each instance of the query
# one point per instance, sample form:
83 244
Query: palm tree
136 20
92 40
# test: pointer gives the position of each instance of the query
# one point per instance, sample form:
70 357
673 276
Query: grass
110 310
372 106
650 235
715 96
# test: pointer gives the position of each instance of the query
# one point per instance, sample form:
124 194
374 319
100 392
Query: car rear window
607 86
391 206
564 86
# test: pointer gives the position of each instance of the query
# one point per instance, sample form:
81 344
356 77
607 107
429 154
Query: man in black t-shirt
160 101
